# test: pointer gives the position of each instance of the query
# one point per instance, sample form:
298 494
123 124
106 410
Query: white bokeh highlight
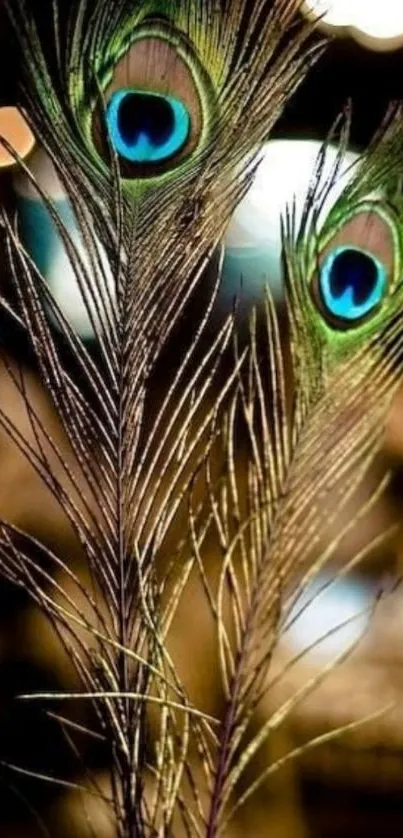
377 19
330 617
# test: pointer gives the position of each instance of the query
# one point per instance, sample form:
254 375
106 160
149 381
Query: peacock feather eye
147 127
157 105
356 269
352 283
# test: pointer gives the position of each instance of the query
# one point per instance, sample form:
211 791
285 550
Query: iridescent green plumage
373 194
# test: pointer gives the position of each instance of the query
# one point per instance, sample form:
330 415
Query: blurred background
352 785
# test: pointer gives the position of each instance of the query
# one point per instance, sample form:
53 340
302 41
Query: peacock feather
209 100
153 115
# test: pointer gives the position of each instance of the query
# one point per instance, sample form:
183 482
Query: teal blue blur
247 271
354 287
147 139
38 231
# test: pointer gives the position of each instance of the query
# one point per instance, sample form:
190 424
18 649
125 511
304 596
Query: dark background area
346 72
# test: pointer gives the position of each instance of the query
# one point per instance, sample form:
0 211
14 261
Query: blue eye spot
147 127
352 283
